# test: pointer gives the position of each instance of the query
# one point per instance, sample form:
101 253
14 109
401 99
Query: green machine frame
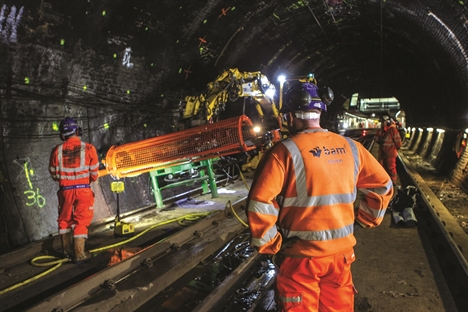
208 181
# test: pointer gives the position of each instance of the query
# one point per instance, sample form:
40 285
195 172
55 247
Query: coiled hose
57 262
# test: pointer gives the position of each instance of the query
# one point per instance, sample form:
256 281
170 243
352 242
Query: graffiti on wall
9 24
33 195
126 58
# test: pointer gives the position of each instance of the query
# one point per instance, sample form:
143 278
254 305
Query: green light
205 21
26 80
233 8
106 126
152 64
115 55
62 42
145 125
128 91
180 70
146 28
177 41
103 13
85 88
55 126
162 95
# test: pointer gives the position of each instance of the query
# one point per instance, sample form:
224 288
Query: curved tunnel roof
413 50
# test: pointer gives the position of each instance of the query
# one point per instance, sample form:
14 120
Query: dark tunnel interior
127 70
412 50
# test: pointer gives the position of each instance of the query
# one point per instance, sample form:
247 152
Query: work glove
288 242
278 258
357 226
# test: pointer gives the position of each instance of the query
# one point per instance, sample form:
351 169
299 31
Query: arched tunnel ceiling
413 50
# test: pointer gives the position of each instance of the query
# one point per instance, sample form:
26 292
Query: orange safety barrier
208 141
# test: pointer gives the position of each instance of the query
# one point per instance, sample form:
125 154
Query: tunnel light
256 129
466 130
420 129
281 78
430 129
413 129
440 130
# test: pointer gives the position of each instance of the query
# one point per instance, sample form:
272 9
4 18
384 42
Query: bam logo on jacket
317 152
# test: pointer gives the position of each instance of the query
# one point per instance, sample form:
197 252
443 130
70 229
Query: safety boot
80 254
67 244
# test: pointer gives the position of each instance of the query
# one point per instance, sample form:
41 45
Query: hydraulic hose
57 262
235 214
243 179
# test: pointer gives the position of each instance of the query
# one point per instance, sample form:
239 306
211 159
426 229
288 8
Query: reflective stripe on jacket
74 162
305 187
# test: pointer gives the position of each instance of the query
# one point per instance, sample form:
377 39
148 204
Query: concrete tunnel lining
414 51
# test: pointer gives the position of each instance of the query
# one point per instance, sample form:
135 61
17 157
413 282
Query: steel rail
453 233
448 240
193 244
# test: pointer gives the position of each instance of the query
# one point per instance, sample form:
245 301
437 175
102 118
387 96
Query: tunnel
170 91
123 68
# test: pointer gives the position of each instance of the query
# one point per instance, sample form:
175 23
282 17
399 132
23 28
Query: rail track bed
199 259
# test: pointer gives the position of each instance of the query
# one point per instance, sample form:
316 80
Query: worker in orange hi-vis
74 164
389 140
301 205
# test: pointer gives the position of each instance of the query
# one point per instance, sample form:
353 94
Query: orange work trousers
316 284
75 211
389 165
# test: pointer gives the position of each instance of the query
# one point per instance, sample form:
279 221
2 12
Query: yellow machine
120 228
229 86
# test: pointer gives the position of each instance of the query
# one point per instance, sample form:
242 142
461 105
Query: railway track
205 263
446 238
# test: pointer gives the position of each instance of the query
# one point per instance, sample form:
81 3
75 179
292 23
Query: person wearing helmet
389 140
301 205
74 165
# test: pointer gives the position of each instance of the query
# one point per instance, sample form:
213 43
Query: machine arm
229 86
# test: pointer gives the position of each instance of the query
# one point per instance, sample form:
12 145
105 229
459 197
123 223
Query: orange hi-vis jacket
74 162
389 140
305 187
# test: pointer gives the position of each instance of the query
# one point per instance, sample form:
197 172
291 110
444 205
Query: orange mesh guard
222 138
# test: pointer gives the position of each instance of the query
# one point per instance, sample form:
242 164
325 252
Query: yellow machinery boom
229 86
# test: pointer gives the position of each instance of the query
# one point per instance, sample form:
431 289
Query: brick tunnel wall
101 95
